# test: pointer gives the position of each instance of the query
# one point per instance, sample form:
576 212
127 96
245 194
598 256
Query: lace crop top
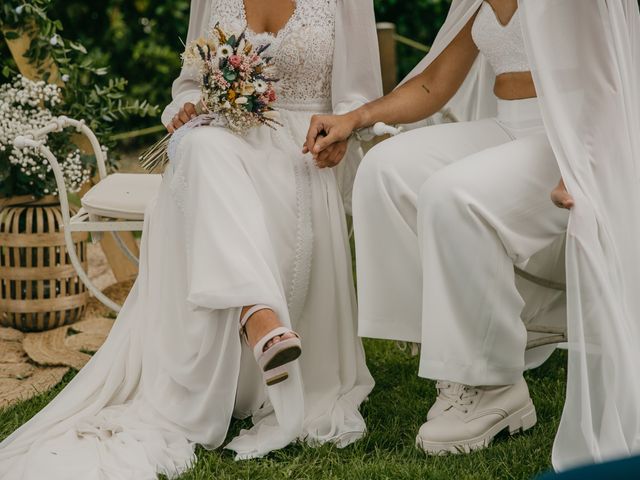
502 45
302 51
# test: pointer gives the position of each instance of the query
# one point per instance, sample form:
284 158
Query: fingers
316 127
561 198
190 110
183 115
331 156
186 113
325 141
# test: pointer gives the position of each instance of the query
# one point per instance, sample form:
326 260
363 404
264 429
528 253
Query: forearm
425 94
416 100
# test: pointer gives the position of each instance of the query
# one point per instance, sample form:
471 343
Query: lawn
396 408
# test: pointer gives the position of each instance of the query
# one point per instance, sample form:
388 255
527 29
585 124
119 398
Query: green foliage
419 20
140 40
88 91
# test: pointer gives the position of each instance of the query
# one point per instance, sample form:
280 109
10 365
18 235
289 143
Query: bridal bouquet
237 88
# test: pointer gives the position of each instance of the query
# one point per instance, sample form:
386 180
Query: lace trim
269 35
299 286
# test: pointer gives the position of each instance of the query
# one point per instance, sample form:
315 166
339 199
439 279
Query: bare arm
419 98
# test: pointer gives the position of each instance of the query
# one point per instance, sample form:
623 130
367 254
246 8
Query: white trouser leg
476 218
385 199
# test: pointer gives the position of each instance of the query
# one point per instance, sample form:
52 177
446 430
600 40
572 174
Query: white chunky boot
447 392
473 416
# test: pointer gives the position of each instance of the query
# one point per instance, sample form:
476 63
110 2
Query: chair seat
122 195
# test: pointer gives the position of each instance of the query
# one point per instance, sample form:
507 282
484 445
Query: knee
441 201
374 174
205 138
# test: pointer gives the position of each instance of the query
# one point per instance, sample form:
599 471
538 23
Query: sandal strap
247 315
258 349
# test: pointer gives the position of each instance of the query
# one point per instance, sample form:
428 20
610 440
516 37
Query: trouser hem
479 374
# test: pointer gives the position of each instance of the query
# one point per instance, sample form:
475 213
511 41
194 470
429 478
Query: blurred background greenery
141 40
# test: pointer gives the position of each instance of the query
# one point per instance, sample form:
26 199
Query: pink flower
271 95
235 60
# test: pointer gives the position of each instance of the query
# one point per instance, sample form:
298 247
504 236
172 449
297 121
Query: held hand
561 197
186 113
326 130
332 155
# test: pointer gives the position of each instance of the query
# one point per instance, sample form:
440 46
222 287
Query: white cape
585 57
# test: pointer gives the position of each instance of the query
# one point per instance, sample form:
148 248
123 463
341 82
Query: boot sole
519 421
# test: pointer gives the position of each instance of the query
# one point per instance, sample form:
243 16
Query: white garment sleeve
356 79
186 87
356 60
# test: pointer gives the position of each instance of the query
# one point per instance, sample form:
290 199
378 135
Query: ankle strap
251 311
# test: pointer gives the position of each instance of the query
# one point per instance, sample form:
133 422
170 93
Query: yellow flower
247 89
231 95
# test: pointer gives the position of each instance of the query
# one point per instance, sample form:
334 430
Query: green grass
394 412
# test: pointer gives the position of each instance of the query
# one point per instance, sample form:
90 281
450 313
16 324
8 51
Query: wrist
358 118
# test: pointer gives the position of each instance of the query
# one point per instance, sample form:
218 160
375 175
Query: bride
246 237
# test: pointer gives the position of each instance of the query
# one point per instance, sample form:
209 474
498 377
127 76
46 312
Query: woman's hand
561 197
328 131
332 155
186 113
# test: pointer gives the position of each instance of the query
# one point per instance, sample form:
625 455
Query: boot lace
458 396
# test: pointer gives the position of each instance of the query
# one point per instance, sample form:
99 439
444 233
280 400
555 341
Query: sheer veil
585 58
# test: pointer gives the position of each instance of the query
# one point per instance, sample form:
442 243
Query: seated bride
246 242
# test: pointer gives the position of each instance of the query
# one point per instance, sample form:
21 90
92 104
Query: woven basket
39 288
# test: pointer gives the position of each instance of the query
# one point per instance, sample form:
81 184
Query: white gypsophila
26 105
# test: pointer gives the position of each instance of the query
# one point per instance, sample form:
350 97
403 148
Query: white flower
241 100
65 78
54 40
224 51
19 9
260 86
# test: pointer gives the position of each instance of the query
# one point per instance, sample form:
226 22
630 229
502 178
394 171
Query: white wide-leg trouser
441 215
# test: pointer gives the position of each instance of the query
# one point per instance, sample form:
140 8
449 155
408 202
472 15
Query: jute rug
32 363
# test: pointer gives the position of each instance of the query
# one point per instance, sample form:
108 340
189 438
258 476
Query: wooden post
123 268
19 46
388 60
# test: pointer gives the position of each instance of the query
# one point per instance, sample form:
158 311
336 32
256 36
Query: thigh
508 187
406 161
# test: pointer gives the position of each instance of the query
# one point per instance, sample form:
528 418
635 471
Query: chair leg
84 277
123 246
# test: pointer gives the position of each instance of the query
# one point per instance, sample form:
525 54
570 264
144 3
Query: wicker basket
39 288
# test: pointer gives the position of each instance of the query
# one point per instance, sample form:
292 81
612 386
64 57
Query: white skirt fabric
238 221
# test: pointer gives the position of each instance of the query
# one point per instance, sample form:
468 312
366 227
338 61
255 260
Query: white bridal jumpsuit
442 214
238 221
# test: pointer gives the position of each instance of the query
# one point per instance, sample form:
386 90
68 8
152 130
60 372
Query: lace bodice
302 51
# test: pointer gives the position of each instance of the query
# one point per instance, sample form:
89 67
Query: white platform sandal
273 361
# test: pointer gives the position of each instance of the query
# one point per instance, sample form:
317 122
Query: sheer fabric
585 58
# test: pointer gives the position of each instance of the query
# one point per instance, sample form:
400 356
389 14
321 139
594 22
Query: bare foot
261 323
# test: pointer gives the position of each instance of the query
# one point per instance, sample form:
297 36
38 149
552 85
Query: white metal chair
115 204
